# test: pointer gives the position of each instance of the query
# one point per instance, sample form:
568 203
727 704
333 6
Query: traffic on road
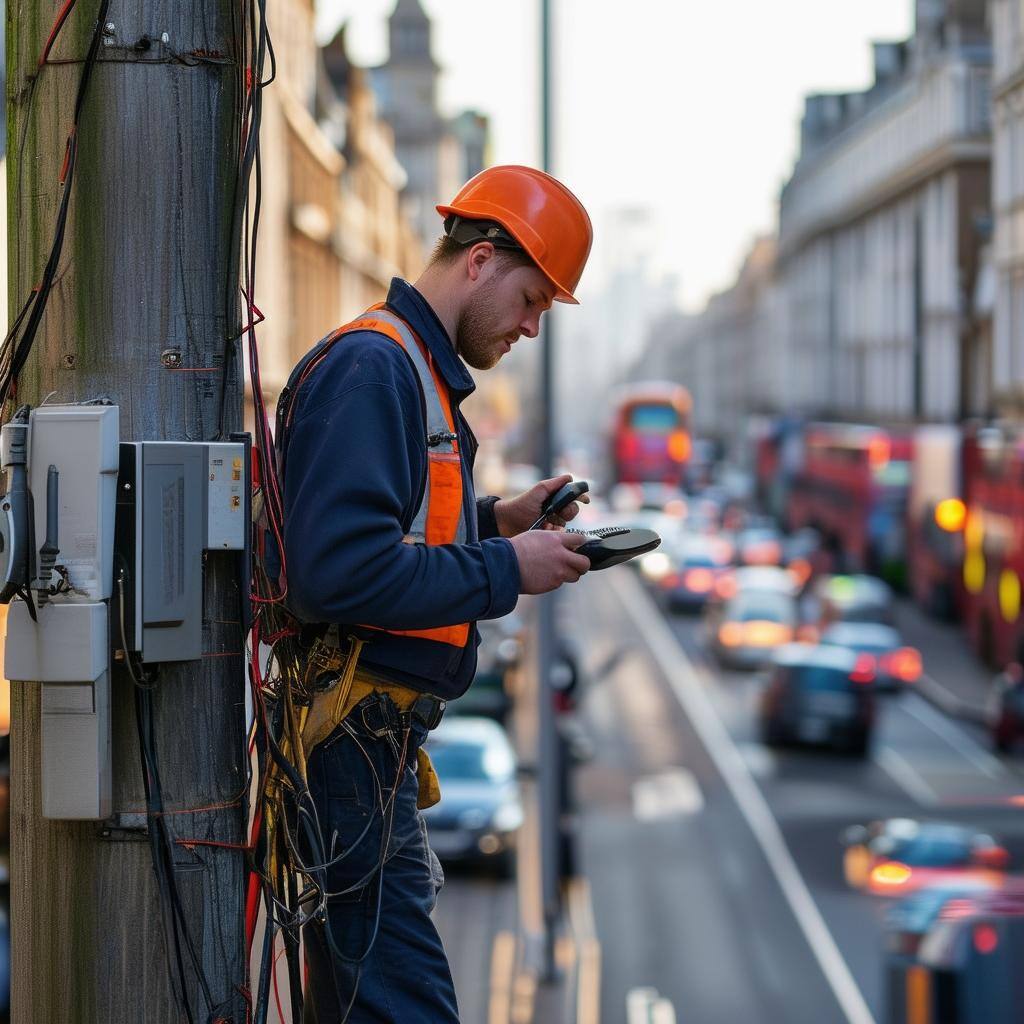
795 791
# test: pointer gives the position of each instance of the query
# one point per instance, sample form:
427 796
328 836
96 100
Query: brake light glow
863 669
986 938
995 858
700 581
904 664
629 446
891 874
726 587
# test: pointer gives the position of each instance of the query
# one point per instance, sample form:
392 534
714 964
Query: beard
478 334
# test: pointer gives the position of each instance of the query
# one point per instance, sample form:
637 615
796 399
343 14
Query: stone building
1007 24
882 226
332 231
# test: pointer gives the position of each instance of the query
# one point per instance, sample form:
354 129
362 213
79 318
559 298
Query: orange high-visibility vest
440 518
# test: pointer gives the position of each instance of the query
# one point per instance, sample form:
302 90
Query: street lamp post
548 753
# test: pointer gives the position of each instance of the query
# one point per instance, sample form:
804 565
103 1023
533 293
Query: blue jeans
404 977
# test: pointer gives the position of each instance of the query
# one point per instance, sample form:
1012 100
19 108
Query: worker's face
506 303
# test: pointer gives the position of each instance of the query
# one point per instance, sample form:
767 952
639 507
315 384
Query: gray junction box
181 499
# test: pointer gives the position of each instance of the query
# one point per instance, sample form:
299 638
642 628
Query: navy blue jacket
355 467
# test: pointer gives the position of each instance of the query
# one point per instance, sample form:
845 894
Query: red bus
993 543
852 488
650 435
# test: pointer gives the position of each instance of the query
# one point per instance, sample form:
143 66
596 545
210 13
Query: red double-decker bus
993 543
650 434
852 488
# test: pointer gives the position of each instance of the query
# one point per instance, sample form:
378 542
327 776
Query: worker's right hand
547 559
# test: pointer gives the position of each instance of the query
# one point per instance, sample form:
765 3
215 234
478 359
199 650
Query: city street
714 863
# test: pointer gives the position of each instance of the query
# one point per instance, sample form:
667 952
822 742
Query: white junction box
66 651
225 497
82 442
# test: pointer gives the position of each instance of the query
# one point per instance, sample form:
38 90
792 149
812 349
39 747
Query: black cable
162 849
171 937
40 297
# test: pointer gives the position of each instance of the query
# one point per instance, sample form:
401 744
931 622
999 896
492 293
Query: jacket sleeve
354 475
487 522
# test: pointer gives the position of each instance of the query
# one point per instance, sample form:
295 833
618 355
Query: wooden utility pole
145 300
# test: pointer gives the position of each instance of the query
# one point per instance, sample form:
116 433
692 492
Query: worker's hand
515 515
547 559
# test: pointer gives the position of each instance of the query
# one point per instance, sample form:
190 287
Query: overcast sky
689 108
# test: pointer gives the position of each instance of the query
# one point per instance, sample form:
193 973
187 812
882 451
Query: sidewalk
954 679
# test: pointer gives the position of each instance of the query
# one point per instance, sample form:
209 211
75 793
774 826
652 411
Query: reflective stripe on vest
440 517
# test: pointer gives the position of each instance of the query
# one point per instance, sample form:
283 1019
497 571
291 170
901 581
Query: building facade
882 228
1007 23
876 301
332 231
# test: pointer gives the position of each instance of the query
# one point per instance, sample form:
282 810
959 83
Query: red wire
55 30
190 843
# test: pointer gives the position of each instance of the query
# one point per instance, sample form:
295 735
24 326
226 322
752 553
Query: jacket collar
404 300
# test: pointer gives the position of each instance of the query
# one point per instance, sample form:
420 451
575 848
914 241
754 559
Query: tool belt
340 688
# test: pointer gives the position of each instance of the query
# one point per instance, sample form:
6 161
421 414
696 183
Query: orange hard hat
540 213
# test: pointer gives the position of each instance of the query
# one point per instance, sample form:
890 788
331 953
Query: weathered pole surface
146 296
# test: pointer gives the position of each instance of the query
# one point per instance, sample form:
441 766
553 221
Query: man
391 560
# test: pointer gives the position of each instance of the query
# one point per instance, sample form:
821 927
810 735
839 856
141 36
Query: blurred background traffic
789 781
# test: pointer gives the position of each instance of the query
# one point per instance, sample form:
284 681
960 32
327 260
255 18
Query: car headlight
655 565
507 818
473 819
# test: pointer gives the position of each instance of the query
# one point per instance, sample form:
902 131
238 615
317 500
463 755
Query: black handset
560 499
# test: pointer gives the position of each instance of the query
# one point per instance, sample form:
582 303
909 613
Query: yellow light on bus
679 446
950 515
974 572
1009 595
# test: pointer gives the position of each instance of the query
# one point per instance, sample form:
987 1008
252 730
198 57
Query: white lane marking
905 776
668 794
760 761
645 1006
963 744
677 668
